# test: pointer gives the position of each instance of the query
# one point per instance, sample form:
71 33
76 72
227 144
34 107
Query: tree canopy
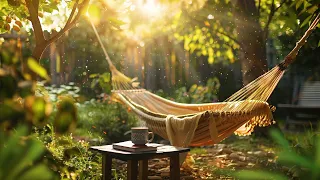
222 31
39 13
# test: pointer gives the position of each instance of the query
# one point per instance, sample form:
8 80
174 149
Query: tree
16 11
226 29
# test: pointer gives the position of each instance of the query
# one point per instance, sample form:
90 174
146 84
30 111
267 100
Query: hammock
203 124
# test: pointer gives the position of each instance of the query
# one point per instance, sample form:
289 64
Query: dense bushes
24 153
107 119
196 93
68 157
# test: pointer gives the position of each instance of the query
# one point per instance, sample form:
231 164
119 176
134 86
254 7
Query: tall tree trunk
252 45
36 54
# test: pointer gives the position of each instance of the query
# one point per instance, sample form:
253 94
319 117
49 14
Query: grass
198 151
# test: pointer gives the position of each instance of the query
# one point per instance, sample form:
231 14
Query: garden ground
217 161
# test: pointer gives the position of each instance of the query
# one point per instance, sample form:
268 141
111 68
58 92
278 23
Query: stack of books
130 147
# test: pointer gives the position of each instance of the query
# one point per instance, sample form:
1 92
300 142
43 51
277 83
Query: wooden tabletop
133 158
165 150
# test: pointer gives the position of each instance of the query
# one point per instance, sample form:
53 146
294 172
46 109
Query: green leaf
278 137
317 155
294 159
211 59
306 4
37 172
106 77
32 152
39 108
312 9
306 21
64 122
192 47
93 75
35 67
299 3
210 51
258 174
230 55
10 85
94 83
116 22
204 52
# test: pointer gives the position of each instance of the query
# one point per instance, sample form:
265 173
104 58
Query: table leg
174 167
106 166
132 170
143 169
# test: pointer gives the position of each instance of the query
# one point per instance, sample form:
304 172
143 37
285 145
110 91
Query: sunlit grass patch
198 151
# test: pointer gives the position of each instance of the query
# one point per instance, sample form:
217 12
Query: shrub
109 120
20 157
69 158
303 160
20 110
196 93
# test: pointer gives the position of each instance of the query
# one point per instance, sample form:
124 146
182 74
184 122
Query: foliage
303 161
20 156
104 81
16 12
208 27
197 93
68 157
66 117
18 103
11 20
204 29
33 11
19 108
107 119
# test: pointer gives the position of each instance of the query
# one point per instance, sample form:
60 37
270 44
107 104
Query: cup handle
152 136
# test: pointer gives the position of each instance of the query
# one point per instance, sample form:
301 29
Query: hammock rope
208 123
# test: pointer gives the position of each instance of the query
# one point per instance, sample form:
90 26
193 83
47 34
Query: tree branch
273 10
227 35
71 21
219 32
36 5
259 6
72 13
293 54
38 33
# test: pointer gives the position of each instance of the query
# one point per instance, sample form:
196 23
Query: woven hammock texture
194 124
203 124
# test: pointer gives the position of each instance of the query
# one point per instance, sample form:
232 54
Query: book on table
129 146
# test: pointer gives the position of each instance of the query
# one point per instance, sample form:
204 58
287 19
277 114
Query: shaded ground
218 161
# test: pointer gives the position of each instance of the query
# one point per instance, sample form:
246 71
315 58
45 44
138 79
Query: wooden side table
139 157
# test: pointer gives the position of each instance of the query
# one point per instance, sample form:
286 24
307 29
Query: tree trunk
38 51
252 52
36 54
